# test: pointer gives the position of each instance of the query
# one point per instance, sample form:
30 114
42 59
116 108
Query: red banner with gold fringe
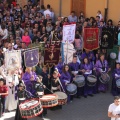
52 52
91 38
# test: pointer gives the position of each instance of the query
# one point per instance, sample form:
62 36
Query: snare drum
79 80
118 83
30 108
62 98
91 80
71 89
49 100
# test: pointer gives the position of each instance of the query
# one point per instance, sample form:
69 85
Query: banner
107 38
51 54
31 57
67 52
69 33
91 38
13 59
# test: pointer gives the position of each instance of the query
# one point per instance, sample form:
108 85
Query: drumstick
29 93
49 90
61 85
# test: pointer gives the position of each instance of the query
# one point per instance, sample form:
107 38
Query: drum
62 98
104 78
71 89
91 80
79 80
31 108
118 83
49 100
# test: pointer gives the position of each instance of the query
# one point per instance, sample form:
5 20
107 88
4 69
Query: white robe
11 103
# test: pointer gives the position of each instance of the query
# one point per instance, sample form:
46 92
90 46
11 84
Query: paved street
91 108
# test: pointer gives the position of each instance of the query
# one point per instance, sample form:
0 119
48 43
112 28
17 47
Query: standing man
72 17
48 11
114 109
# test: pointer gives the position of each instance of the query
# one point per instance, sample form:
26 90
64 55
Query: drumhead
71 87
79 77
61 95
48 97
92 78
104 78
28 104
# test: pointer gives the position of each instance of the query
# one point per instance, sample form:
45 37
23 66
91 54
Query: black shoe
91 95
103 91
78 97
85 96
98 92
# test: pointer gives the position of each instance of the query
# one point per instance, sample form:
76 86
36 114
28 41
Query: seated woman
66 79
116 75
101 67
86 69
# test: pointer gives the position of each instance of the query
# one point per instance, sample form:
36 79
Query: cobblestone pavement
91 108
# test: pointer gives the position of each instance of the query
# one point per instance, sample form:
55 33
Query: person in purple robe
75 70
86 69
66 79
100 67
60 65
116 75
97 55
89 55
29 78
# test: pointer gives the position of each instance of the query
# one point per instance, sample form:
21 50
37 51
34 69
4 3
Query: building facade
89 7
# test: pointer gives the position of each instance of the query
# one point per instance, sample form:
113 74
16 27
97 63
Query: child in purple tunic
101 66
86 69
66 79
75 70
116 75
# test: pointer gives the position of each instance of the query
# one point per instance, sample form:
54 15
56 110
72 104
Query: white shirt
47 12
101 17
4 33
72 19
114 110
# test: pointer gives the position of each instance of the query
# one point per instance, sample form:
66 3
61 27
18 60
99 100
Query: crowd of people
19 28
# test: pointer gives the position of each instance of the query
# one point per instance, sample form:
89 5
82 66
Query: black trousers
3 104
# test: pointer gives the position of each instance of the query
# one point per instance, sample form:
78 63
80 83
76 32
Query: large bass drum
31 108
104 78
79 80
71 89
91 80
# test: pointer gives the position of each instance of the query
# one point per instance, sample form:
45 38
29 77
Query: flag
91 38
